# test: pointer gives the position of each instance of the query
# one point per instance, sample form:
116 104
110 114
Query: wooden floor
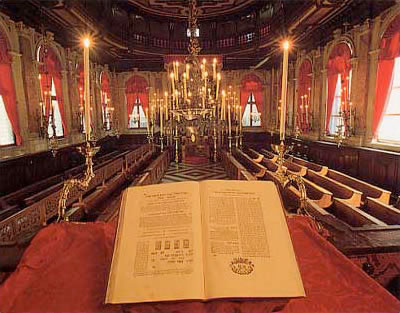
197 172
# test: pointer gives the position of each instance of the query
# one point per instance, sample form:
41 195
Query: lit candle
205 81
187 71
223 105
184 87
241 117
86 44
166 104
217 90
177 71
215 69
284 89
161 121
229 120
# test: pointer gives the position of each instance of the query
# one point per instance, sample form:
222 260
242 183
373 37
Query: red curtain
305 81
137 86
7 89
52 67
339 63
251 84
390 49
105 87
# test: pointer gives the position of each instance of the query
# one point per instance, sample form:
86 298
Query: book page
158 254
248 250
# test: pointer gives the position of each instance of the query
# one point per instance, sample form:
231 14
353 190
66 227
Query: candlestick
187 71
229 120
86 69
215 69
184 87
148 122
223 105
161 121
284 89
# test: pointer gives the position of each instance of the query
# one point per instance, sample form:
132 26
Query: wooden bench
257 157
338 190
256 169
322 170
273 157
368 190
387 213
352 215
233 168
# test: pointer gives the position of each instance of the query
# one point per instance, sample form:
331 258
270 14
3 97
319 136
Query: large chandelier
195 100
195 85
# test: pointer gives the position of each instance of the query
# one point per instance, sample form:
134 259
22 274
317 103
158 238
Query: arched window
339 86
51 90
9 124
106 109
387 100
251 100
137 100
304 96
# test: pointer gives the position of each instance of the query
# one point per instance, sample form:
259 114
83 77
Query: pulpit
195 147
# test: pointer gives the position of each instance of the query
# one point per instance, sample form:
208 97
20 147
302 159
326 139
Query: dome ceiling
179 8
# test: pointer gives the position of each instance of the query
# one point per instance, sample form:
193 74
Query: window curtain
53 67
251 84
390 49
7 89
305 81
105 87
136 87
339 63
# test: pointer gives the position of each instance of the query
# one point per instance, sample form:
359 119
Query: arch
136 87
50 70
7 87
389 51
338 64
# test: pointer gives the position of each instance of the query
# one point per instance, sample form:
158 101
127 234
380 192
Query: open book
207 240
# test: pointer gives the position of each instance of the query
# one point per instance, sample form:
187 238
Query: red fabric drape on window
251 84
53 67
339 63
136 86
105 87
390 49
7 89
305 81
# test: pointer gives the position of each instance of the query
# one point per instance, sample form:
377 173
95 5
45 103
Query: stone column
373 69
321 117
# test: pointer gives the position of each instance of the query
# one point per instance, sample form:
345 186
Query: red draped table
65 269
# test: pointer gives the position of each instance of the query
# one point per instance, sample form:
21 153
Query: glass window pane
246 116
6 132
143 120
389 128
256 116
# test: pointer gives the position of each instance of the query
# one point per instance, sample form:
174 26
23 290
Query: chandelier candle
229 120
215 69
284 89
86 45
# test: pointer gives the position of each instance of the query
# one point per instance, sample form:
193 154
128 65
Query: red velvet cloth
7 89
390 49
251 84
136 87
65 269
339 63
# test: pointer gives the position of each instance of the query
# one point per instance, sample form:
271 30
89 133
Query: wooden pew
386 213
322 170
256 169
257 157
39 213
368 190
352 215
273 157
338 190
233 168
398 203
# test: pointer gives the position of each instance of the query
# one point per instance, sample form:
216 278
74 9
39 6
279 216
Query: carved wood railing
39 213
155 171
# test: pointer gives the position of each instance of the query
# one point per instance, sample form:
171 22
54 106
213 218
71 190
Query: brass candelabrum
286 179
88 150
47 121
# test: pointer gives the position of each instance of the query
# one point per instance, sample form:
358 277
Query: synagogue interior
98 97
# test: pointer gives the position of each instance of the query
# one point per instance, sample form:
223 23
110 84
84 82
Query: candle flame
286 45
86 42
